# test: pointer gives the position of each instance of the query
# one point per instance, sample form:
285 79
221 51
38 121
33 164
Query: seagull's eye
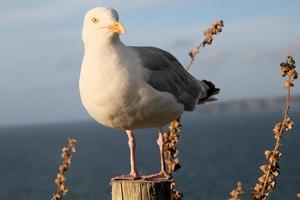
95 20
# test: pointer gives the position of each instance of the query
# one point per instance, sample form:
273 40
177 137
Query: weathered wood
140 190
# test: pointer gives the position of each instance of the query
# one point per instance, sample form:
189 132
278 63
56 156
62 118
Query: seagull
129 87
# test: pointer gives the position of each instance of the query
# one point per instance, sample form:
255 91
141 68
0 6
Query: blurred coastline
251 105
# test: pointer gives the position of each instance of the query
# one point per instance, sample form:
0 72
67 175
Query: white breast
115 93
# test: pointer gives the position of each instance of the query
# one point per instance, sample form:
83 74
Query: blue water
216 151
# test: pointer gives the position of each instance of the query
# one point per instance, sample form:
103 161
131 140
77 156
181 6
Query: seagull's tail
211 91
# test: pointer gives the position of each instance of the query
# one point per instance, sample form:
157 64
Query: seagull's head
101 24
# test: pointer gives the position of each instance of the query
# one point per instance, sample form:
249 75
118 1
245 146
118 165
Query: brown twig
237 192
66 155
267 181
214 30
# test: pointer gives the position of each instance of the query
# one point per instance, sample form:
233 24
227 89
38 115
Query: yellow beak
116 27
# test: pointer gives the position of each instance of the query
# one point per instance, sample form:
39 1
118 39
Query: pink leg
131 143
160 142
133 172
162 173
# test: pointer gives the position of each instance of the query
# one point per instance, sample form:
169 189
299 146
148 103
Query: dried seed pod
288 84
72 142
214 31
268 154
293 74
264 168
216 24
291 60
275 172
272 185
258 187
237 192
219 30
288 124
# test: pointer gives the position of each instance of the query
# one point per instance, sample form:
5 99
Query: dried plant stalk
237 192
171 154
214 30
66 155
298 195
271 170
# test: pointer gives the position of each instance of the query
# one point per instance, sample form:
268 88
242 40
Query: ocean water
216 151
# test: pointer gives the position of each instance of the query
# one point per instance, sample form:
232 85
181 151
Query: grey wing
168 75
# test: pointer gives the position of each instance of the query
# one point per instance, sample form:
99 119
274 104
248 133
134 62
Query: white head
101 25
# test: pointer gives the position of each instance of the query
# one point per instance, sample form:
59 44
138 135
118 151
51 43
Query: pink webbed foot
159 176
131 176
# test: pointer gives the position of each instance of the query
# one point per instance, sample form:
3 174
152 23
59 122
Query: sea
216 151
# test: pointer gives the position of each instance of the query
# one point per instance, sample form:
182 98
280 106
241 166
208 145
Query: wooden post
140 190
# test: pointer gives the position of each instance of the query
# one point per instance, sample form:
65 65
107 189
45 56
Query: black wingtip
212 90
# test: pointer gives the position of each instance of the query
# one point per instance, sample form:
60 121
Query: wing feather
166 74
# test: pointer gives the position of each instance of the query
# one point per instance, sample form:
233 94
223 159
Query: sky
41 48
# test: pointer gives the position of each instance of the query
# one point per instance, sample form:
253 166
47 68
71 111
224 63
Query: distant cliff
259 104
